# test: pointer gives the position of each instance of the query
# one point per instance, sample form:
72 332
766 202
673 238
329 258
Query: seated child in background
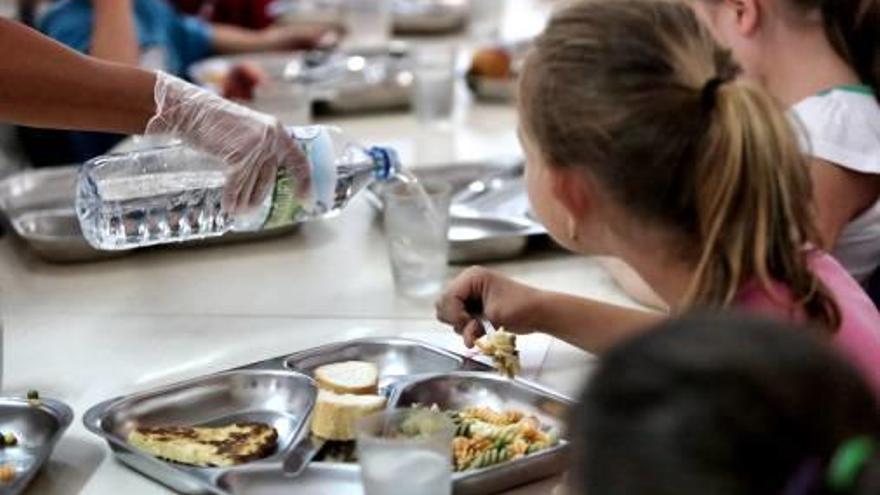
832 95
254 14
149 33
821 59
725 405
641 144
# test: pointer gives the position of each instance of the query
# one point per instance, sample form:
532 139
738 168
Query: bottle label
287 207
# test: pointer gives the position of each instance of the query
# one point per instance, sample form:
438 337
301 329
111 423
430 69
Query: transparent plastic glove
253 144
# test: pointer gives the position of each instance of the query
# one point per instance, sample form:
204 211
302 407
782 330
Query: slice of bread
348 377
335 414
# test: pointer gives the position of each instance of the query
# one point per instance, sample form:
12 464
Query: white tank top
842 126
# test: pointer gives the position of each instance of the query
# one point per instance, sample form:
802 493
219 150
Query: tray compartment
458 390
283 399
395 358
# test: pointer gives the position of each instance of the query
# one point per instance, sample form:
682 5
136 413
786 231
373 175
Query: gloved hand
253 144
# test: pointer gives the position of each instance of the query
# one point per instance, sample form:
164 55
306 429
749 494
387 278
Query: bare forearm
114 37
232 39
45 84
591 325
840 195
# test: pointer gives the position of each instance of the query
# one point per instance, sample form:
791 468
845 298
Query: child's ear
747 15
575 190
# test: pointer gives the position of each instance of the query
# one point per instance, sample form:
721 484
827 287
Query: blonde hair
620 87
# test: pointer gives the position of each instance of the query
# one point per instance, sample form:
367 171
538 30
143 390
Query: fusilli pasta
485 437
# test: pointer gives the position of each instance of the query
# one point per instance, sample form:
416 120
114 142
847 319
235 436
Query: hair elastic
710 90
848 462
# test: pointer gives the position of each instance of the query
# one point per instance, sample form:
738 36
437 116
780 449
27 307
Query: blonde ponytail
753 223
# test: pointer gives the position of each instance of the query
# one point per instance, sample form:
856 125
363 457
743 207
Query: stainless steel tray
341 82
492 89
489 217
37 428
354 81
430 16
279 391
408 16
38 205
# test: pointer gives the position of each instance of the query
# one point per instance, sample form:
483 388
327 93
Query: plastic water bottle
173 194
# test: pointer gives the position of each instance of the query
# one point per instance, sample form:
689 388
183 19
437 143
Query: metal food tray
280 391
430 16
408 16
492 89
482 224
37 429
380 80
38 205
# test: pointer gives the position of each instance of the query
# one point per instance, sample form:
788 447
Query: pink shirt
857 338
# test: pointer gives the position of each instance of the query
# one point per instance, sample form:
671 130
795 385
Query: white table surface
84 333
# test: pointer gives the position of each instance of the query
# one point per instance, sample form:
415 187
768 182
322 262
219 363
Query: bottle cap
386 160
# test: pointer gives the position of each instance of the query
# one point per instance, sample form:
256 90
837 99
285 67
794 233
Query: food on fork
206 446
335 414
501 347
348 377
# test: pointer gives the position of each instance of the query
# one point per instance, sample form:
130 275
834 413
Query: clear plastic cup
434 89
406 451
416 227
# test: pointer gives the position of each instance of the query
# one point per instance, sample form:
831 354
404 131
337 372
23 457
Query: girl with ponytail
642 144
821 59
725 405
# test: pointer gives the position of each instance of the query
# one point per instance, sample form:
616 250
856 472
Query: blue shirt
182 39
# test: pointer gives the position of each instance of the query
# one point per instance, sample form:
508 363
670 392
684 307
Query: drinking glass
367 23
406 451
290 102
434 88
485 19
416 227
